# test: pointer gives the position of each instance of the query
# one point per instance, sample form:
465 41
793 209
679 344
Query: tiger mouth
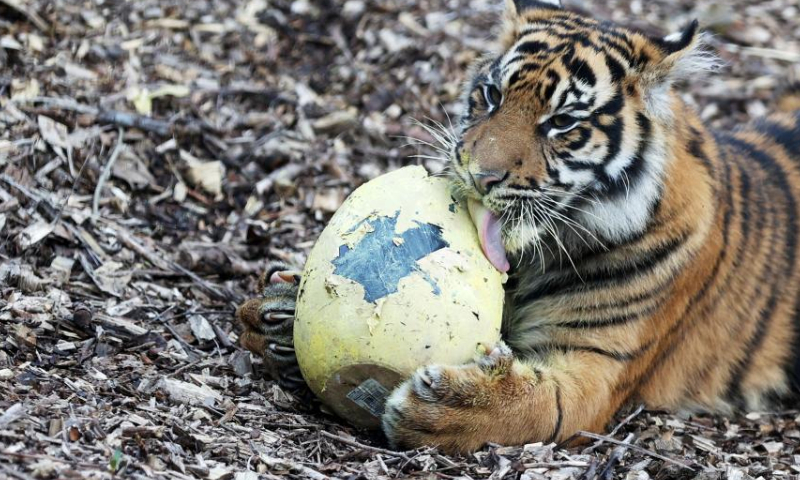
489 229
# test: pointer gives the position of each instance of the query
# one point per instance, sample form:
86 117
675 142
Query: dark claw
294 378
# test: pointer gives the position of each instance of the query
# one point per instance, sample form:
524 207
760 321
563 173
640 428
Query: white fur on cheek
520 234
626 215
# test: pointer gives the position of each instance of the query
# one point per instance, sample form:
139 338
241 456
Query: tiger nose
485 181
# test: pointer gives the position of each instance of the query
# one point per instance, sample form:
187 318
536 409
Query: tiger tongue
489 234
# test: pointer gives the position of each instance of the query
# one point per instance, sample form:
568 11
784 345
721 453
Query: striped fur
656 260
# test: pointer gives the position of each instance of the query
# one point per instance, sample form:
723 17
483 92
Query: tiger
651 260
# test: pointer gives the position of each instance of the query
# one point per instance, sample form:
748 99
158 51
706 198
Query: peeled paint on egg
396 281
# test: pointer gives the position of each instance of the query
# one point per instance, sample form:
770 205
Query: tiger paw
452 407
268 322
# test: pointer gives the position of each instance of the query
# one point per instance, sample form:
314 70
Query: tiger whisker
439 129
438 132
627 182
571 207
428 157
572 224
555 235
417 142
538 243
577 194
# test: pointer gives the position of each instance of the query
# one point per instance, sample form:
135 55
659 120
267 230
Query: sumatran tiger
651 259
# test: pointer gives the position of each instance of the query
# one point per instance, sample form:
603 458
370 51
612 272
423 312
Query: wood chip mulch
155 154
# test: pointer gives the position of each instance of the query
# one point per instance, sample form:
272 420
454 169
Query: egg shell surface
397 280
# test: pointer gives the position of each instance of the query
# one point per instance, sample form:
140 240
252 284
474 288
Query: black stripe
678 327
613 275
559 415
612 107
580 70
516 77
622 50
698 379
614 355
623 303
573 38
788 139
779 176
765 288
616 69
532 47
564 94
633 171
584 134
614 321
695 149
549 90
793 368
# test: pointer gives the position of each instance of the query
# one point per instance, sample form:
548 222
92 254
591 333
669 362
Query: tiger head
567 123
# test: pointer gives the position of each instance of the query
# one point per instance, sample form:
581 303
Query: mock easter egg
397 280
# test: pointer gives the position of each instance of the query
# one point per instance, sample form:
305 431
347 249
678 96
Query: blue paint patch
378 263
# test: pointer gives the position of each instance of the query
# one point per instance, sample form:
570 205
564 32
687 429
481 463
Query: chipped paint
380 278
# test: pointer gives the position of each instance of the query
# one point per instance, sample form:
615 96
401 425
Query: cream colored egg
397 280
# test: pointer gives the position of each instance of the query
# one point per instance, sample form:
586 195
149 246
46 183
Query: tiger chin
652 259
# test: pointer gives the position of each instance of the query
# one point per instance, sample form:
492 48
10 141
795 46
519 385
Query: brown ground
118 353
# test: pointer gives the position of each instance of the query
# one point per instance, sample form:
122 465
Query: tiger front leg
268 324
501 399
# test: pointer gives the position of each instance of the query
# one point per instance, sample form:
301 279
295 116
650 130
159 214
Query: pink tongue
489 234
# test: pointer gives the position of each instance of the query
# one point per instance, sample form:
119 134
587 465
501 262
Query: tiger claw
285 276
278 316
280 348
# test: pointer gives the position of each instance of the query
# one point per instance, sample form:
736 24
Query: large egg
397 280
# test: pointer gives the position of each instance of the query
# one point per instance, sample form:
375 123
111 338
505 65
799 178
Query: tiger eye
563 121
492 95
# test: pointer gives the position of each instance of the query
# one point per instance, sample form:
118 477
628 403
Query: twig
11 414
591 472
153 257
13 473
616 456
106 173
24 190
285 464
763 52
60 103
573 464
32 16
634 447
114 117
356 444
39 456
130 120
616 429
131 243
291 426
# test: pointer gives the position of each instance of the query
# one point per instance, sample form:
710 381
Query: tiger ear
678 56
517 7
515 11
